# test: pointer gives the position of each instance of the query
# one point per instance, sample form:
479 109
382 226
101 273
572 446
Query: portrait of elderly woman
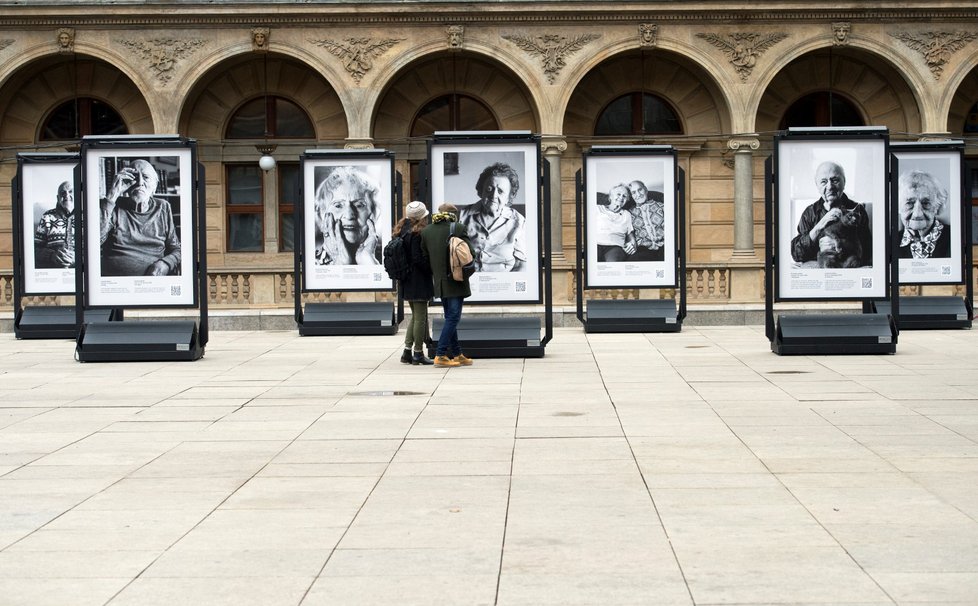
922 203
346 218
616 234
496 230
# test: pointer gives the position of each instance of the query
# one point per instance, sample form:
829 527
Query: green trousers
417 329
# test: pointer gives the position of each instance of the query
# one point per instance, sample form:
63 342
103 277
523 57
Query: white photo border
945 166
601 172
468 157
864 161
140 291
379 165
39 183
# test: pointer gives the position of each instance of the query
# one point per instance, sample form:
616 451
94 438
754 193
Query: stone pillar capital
744 144
359 143
553 146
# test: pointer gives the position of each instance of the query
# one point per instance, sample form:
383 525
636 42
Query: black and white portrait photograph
140 218
630 220
495 188
832 198
347 207
929 210
48 227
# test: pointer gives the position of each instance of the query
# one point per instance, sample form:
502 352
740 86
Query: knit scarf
439 217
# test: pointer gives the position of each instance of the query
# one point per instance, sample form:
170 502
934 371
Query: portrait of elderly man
346 218
834 207
138 234
648 218
496 230
54 236
922 199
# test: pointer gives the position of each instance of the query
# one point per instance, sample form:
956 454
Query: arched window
822 108
285 120
971 120
453 112
638 114
83 116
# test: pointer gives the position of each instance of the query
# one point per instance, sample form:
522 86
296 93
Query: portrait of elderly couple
630 223
835 231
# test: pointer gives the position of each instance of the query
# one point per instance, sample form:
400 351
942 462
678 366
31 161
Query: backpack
460 260
396 259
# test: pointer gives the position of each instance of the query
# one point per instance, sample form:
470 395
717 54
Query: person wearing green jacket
434 246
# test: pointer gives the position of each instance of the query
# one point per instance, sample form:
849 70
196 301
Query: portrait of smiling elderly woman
923 235
138 234
346 215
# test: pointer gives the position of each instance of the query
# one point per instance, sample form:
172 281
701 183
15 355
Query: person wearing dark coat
434 244
417 289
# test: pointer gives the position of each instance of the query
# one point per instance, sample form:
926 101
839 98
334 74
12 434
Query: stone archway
876 89
42 86
964 99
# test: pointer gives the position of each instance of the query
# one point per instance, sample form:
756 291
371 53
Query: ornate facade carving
936 47
551 48
260 38
358 54
648 34
163 53
840 33
455 35
743 49
66 39
5 43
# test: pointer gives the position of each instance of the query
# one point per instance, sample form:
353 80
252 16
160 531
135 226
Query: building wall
363 70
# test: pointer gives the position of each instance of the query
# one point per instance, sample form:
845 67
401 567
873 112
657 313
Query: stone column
743 248
553 147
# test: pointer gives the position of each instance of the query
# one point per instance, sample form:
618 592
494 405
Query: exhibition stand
630 213
350 201
931 172
828 239
141 240
43 193
459 163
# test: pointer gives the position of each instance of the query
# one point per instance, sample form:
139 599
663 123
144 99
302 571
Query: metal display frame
637 315
934 311
162 340
342 318
43 321
831 333
505 337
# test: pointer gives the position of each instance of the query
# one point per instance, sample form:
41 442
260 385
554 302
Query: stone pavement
692 468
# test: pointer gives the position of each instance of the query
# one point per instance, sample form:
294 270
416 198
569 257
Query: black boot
406 357
419 358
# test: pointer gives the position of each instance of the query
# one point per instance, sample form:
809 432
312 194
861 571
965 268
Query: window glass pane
622 117
658 117
617 118
286 241
288 184
291 121
245 232
435 115
971 121
244 184
453 112
814 110
249 121
97 118
473 115
105 120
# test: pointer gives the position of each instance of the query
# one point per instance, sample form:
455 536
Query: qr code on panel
521 287
660 273
175 290
945 270
378 277
867 282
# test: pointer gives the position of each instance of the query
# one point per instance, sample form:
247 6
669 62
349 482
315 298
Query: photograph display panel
630 221
140 226
832 197
347 205
48 205
928 209
496 189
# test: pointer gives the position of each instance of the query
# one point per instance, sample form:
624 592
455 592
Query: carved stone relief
743 49
648 34
840 33
260 39
552 49
455 35
936 47
5 43
66 40
358 54
163 53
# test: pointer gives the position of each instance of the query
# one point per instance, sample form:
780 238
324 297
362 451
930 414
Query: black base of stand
138 342
830 334
650 315
930 312
57 321
332 319
495 337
